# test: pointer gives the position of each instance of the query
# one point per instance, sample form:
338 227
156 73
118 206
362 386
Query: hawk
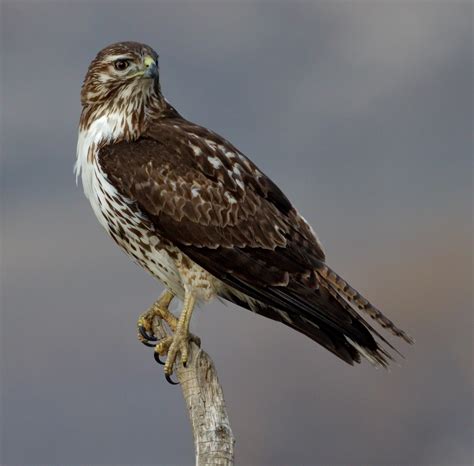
203 219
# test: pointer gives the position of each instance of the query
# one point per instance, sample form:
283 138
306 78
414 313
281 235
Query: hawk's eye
121 64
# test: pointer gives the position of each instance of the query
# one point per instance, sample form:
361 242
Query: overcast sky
363 113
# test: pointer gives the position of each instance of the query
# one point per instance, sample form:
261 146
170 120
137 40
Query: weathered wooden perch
213 438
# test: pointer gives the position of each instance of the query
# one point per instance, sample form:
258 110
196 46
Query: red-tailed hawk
196 213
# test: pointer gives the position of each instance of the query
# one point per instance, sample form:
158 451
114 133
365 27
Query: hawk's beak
151 68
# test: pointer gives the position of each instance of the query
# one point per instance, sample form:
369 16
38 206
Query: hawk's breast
121 217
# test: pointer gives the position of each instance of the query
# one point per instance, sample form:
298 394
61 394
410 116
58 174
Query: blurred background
362 112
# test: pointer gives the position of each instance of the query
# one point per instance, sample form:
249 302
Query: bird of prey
203 219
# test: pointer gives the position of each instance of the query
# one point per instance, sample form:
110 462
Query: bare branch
213 438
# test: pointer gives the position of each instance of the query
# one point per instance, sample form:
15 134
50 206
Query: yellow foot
172 346
158 309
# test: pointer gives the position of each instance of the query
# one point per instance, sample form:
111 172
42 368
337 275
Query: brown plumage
176 195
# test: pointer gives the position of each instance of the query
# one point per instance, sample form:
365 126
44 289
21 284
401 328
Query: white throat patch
102 130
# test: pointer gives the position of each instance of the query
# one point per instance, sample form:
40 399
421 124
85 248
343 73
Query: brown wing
214 204
202 192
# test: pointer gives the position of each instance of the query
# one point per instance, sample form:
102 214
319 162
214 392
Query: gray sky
362 112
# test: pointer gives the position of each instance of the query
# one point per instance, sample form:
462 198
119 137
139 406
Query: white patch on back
230 198
215 162
229 154
197 150
211 144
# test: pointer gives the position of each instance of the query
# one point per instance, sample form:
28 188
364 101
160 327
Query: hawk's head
120 71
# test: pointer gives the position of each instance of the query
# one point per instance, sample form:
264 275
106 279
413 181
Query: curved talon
156 355
145 334
170 380
148 343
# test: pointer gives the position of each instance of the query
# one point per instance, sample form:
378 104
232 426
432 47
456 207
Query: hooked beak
151 68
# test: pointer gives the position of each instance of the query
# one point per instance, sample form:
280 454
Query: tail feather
333 341
325 310
348 307
345 291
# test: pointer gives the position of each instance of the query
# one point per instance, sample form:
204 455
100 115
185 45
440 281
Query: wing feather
227 202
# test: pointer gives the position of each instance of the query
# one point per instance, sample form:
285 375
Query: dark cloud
362 112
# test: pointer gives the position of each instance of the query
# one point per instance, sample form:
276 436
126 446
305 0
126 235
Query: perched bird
196 213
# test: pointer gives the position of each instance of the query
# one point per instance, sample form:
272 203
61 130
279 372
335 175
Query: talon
148 343
171 345
170 380
157 358
146 320
177 344
145 334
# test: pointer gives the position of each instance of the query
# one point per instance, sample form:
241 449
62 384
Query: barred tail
341 289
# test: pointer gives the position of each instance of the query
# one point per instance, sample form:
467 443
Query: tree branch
213 438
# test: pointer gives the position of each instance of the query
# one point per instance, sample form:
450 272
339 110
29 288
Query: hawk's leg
158 309
179 341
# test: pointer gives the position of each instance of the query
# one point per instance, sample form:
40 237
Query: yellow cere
148 61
